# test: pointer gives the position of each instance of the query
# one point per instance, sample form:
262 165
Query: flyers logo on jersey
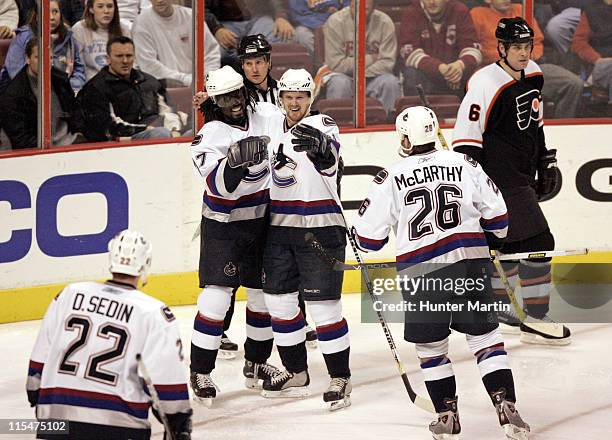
528 109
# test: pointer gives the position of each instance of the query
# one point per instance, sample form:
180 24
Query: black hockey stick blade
421 93
332 262
338 265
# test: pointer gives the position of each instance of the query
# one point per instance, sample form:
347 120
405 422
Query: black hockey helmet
253 46
513 30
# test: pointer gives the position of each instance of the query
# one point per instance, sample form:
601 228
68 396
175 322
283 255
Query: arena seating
289 56
342 110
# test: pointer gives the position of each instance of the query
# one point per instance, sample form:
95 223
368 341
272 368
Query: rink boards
57 211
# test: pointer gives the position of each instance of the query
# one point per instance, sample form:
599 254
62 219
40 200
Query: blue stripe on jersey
442 247
299 207
226 206
67 396
496 223
211 180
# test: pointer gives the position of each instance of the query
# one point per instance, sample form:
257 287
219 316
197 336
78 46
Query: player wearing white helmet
83 367
230 155
443 207
304 198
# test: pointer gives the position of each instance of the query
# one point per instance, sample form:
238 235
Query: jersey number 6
447 215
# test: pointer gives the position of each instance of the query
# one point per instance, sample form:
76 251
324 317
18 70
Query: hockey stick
154 397
425 101
419 401
338 265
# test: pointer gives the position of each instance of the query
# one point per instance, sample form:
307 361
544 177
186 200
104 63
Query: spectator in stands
381 54
231 20
593 43
164 35
561 27
25 8
121 101
130 9
72 10
20 108
9 18
438 47
560 85
66 56
308 15
100 23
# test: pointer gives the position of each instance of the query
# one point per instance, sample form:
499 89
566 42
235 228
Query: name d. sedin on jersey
103 306
428 174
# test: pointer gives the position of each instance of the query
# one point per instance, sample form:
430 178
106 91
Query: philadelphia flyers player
500 125
304 198
444 210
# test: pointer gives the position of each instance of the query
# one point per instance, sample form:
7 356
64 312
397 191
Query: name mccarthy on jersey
432 173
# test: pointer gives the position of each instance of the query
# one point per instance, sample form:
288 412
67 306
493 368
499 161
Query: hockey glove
311 140
248 151
495 243
549 176
180 424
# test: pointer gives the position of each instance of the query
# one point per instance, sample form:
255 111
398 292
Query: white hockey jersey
301 195
84 360
209 153
438 204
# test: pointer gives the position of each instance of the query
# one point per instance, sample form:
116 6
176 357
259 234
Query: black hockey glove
549 176
33 397
315 143
248 151
180 423
311 140
495 243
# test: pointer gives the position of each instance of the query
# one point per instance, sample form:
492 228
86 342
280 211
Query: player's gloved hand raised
311 140
249 151
549 176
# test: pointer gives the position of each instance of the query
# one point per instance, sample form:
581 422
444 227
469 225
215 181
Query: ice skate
286 384
204 389
339 393
509 323
257 373
447 427
509 418
311 337
545 333
227 349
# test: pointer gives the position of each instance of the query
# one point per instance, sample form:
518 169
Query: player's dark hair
212 112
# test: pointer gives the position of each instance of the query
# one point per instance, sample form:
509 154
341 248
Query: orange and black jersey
500 121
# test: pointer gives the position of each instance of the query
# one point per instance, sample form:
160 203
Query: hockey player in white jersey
83 367
443 209
230 154
304 198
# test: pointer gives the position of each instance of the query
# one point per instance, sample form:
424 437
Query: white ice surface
565 393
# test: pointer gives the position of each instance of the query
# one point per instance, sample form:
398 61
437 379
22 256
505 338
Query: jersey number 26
447 215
